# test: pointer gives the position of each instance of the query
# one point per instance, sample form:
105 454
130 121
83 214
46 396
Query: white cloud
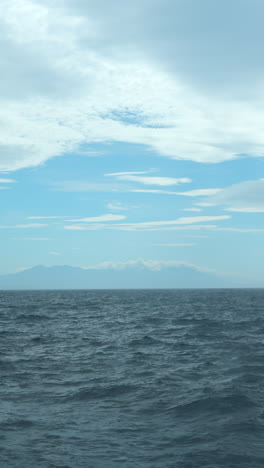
116 206
245 197
205 204
192 209
163 181
7 181
175 245
183 220
149 225
200 192
86 186
150 180
55 253
32 238
166 192
120 174
246 209
189 193
24 226
138 227
154 265
190 227
102 218
71 74
47 217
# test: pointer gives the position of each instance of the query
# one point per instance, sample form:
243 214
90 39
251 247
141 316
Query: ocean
132 379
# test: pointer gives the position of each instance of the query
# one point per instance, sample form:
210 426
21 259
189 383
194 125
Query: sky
132 132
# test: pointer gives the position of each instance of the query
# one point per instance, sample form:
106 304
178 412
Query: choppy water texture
132 379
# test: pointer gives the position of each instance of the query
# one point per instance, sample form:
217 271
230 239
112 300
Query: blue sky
132 131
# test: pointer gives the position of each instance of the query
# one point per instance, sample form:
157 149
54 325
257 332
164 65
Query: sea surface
131 379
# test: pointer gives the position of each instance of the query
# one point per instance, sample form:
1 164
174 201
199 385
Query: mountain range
68 277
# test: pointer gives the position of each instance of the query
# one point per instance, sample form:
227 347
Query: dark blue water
132 379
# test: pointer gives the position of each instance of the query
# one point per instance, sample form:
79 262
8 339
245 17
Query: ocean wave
98 393
227 404
132 379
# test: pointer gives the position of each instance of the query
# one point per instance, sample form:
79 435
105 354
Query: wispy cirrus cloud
99 219
32 238
190 193
183 220
24 226
148 225
116 206
200 192
47 217
135 227
182 228
148 180
176 245
192 209
7 181
128 173
119 186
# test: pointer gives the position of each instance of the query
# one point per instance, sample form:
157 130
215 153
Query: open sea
132 379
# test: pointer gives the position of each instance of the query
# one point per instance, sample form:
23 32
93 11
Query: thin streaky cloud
148 224
32 238
116 206
246 209
188 227
102 218
24 226
200 192
151 180
166 192
183 220
176 245
121 174
192 209
47 217
7 181
189 193
135 227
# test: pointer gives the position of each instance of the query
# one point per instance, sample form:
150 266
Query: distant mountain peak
142 275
